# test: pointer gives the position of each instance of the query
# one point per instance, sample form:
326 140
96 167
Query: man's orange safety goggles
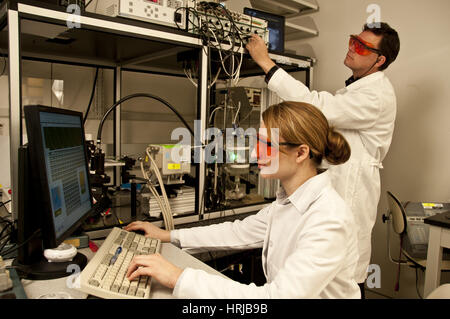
362 47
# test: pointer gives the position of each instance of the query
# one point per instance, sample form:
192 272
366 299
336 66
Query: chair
399 223
397 215
441 292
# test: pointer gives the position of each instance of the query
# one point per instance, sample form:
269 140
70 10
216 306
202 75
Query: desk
439 238
37 288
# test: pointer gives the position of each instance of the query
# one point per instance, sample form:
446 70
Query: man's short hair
390 42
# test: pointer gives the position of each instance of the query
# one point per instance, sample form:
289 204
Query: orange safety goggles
264 146
362 47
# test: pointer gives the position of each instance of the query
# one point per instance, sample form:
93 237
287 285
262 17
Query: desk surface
65 286
441 220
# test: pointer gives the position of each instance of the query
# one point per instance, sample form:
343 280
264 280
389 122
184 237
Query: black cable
4 66
9 224
92 96
4 253
417 288
4 205
8 239
131 96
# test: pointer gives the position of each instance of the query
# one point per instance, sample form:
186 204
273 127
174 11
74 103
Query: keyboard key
142 281
115 287
125 286
133 287
107 259
109 281
94 282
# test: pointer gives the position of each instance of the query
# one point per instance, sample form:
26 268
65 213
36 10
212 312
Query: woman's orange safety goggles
362 47
264 146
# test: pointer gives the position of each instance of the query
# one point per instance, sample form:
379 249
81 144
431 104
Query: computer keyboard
105 274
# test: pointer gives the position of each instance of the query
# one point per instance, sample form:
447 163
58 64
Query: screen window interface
66 169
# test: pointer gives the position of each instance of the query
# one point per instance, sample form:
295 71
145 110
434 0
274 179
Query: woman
308 234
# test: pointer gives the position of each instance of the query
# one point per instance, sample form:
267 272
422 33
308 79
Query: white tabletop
66 287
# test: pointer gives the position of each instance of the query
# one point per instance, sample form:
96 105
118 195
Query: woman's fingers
140 271
134 226
138 264
155 266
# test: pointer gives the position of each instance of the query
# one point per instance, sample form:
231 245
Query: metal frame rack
112 43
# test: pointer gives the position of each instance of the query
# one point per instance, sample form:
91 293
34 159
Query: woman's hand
150 230
155 266
259 53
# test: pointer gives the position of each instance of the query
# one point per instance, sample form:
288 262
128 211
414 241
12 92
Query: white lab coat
364 112
309 248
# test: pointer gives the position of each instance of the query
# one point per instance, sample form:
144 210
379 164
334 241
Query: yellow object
75 242
173 166
431 205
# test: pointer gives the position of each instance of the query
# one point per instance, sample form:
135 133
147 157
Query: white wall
417 165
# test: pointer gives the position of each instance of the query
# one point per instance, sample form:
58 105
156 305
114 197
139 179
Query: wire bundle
163 201
213 35
6 231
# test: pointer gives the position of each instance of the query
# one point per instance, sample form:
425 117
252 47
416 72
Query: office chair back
398 214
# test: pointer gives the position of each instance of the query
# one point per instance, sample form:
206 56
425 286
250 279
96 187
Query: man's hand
156 266
259 53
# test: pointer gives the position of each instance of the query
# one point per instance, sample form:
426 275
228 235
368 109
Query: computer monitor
55 196
275 24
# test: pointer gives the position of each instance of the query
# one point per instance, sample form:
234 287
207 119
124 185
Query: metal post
117 123
203 87
309 78
15 104
434 259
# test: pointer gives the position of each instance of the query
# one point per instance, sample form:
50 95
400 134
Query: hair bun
337 150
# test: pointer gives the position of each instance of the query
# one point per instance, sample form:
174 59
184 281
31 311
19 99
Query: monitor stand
44 270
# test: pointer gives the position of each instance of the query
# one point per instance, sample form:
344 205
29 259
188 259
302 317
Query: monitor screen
57 153
66 170
54 197
275 24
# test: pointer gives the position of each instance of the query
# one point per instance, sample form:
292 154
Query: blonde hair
302 123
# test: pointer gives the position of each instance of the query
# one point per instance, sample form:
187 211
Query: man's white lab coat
309 248
364 112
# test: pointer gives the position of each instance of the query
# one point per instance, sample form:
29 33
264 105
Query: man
364 112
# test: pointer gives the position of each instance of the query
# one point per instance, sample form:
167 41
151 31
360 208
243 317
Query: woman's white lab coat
364 112
309 248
